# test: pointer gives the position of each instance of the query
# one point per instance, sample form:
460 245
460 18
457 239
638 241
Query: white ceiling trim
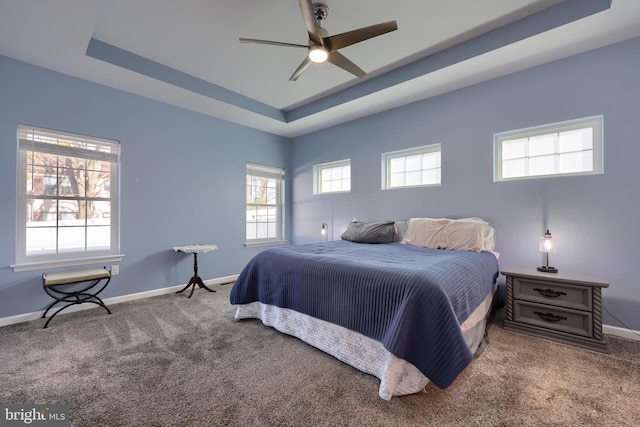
64 51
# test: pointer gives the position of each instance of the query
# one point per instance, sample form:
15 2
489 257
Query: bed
402 311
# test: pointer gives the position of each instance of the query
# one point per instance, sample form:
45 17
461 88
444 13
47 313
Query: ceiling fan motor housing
321 11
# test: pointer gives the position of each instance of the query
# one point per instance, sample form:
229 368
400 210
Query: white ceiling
195 43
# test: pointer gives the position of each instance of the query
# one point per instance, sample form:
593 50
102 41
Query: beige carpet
174 361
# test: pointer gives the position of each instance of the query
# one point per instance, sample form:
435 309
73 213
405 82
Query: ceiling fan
321 46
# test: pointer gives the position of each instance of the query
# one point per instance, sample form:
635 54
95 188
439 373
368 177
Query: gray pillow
369 232
401 229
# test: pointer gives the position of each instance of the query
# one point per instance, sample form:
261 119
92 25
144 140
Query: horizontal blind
265 171
45 141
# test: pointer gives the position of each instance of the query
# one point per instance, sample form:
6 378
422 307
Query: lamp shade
548 244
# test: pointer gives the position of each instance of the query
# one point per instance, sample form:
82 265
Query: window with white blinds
413 167
332 177
265 204
67 198
567 148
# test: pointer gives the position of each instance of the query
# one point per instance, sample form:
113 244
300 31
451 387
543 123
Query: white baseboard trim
621 332
26 317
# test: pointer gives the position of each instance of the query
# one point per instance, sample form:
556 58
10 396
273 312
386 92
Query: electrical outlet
115 270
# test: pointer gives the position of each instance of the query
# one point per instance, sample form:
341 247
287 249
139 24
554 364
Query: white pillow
489 236
465 235
443 233
426 232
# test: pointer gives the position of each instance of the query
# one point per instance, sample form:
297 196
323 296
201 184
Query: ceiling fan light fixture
318 54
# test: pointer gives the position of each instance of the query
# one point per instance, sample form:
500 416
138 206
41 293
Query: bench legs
74 297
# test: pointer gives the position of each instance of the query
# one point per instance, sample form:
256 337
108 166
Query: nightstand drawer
559 319
562 295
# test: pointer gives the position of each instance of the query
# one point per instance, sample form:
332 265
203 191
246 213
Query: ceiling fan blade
310 21
336 58
270 42
338 41
303 66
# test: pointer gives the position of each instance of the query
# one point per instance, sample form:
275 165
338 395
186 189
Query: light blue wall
182 180
183 173
595 218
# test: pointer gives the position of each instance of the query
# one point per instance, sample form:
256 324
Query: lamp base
547 269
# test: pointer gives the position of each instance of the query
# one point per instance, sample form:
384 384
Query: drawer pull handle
549 293
549 317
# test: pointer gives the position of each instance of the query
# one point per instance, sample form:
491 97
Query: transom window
413 167
264 210
567 148
332 177
67 196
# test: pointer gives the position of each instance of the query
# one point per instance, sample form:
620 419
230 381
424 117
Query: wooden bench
54 285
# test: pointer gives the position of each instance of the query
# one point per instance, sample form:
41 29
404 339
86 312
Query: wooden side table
195 250
564 307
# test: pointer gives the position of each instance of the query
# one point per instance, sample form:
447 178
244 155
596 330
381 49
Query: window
265 199
414 167
67 198
333 177
567 148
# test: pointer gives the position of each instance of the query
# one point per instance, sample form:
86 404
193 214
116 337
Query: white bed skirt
397 376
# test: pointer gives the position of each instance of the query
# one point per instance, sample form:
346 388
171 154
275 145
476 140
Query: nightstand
561 306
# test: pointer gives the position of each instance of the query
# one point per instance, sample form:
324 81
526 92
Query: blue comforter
412 300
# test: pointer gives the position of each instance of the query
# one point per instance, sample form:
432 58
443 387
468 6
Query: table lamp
547 244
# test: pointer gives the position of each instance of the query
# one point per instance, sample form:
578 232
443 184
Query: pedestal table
195 250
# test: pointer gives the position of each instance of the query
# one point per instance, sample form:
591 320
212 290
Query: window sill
105 259
269 243
324 193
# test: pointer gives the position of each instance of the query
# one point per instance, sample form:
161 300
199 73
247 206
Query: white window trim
35 262
268 172
387 157
265 243
317 171
71 262
596 122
